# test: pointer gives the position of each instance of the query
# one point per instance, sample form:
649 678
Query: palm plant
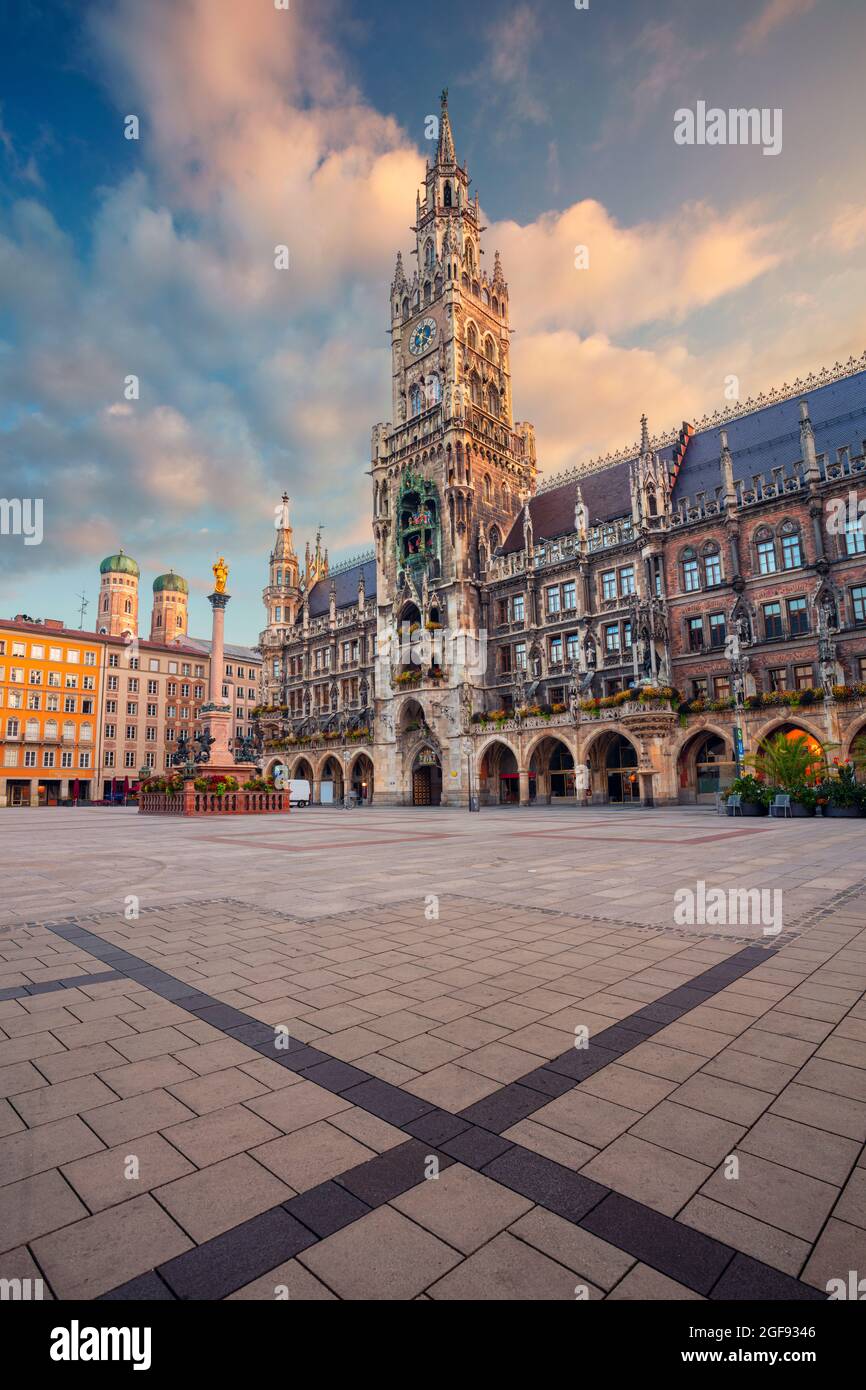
858 752
788 761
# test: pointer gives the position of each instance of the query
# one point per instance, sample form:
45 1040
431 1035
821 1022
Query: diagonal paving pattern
304 1169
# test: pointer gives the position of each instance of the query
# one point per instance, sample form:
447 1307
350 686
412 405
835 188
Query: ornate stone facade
601 637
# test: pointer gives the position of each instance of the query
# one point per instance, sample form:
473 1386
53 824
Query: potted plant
755 796
844 793
790 764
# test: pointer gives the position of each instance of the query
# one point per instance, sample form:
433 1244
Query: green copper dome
119 564
170 581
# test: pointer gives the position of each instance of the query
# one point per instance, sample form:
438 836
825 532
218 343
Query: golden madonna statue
220 574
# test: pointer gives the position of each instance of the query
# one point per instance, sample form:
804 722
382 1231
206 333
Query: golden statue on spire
220 574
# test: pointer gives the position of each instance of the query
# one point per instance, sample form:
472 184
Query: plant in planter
755 795
790 764
844 794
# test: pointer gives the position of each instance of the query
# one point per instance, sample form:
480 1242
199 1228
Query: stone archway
551 763
361 778
856 735
613 769
705 766
498 775
331 781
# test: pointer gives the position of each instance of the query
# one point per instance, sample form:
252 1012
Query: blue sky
155 257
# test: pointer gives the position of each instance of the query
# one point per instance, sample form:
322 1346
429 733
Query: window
113 659
608 585
553 599
699 688
627 638
772 620
572 646
855 536
718 629
13 728
691 573
792 555
109 757
778 678
520 656
722 687
111 731
569 596
804 678
69 704
696 634
712 569
767 557
48 757
611 637
798 616
626 580
858 598
30 757
555 651
517 608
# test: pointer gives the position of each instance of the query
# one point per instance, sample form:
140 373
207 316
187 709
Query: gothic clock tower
449 475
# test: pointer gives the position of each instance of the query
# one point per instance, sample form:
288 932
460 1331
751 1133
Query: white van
299 793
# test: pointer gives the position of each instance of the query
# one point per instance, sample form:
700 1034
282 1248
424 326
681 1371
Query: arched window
493 401
105 604
765 547
429 254
652 505
416 400
486 295
489 349
691 572
495 539
68 729
470 257
434 390
438 285
476 288
406 308
472 337
31 729
51 728
488 488
495 305
475 387
464 280
448 194
792 546
712 564
428 292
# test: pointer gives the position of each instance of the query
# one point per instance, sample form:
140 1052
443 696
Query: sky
302 123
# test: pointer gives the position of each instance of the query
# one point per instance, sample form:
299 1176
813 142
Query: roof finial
445 153
644 436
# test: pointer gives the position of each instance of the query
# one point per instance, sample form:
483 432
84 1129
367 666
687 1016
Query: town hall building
625 633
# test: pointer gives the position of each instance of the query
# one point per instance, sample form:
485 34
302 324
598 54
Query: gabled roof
346 582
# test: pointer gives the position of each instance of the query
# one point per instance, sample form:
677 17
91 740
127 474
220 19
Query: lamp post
739 664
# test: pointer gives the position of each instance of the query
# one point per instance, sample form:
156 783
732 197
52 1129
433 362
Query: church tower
282 598
452 470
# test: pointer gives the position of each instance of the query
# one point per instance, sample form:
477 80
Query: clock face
423 337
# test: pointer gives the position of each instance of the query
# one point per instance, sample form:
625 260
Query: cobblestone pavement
333 1056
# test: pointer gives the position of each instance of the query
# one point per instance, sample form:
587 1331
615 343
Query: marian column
217 713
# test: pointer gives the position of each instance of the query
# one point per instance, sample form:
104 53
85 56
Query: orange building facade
50 706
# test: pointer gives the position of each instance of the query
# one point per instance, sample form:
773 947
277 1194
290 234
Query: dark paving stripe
228 1262
49 986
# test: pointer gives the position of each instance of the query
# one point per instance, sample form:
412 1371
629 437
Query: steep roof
346 581
760 440
203 645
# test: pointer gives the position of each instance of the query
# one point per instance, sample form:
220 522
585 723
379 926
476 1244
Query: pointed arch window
470 257
428 292
434 390
489 349
472 337
488 488
429 254
475 388
493 401
416 400
448 196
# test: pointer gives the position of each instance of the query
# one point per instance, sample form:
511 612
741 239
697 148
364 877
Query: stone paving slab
414 1083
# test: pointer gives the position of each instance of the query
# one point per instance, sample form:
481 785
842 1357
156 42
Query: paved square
397 1054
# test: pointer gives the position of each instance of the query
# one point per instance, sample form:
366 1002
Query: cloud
847 231
772 16
637 275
